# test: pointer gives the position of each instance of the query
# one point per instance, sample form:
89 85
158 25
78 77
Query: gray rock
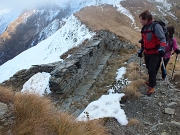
171 104
3 109
169 111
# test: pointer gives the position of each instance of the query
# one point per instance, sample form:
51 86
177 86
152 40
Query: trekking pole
163 65
166 79
174 66
140 67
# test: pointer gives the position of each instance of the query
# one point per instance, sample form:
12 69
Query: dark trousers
164 73
151 62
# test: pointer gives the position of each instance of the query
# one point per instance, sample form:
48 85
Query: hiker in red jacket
153 45
171 45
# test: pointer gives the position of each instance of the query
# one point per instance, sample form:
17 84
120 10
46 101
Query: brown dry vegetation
133 121
35 115
132 89
106 17
6 95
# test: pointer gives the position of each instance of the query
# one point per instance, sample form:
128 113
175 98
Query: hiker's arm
161 36
141 49
175 46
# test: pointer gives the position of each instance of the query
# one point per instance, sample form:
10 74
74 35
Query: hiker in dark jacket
153 45
171 45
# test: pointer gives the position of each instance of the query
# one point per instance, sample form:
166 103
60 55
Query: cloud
19 4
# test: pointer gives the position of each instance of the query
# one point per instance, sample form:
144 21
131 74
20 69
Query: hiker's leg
152 70
147 61
158 65
162 68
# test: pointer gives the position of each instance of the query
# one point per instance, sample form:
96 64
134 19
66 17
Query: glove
140 41
140 53
161 52
177 51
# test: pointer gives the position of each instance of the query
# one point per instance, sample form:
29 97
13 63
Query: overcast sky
15 4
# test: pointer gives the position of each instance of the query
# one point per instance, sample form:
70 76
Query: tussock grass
35 115
176 79
133 72
6 94
131 90
133 121
171 63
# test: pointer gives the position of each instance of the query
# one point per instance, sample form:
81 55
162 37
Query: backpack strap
158 22
163 25
153 26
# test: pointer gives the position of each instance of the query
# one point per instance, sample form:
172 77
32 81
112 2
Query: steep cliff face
29 29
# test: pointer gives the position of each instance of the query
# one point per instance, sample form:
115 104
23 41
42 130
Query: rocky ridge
154 115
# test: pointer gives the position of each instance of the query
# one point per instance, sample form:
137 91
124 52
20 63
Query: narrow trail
158 114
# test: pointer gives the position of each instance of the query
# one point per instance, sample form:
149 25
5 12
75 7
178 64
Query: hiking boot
150 91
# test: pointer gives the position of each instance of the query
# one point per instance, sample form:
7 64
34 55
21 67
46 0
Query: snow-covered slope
6 17
71 34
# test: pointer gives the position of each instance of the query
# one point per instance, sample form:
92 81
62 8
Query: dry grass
36 116
131 90
176 77
171 64
106 17
6 94
133 72
133 121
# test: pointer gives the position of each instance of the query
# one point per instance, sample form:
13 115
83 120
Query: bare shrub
6 94
36 116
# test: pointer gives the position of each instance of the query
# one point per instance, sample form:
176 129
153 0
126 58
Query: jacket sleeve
175 46
160 35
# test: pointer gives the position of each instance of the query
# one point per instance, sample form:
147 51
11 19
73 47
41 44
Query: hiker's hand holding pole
140 53
161 52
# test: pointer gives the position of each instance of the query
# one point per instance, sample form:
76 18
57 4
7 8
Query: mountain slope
35 24
29 29
107 17
118 19
49 50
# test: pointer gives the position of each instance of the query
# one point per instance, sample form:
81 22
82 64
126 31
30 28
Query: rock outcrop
66 75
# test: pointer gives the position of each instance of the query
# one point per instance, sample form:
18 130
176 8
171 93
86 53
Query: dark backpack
153 31
163 26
